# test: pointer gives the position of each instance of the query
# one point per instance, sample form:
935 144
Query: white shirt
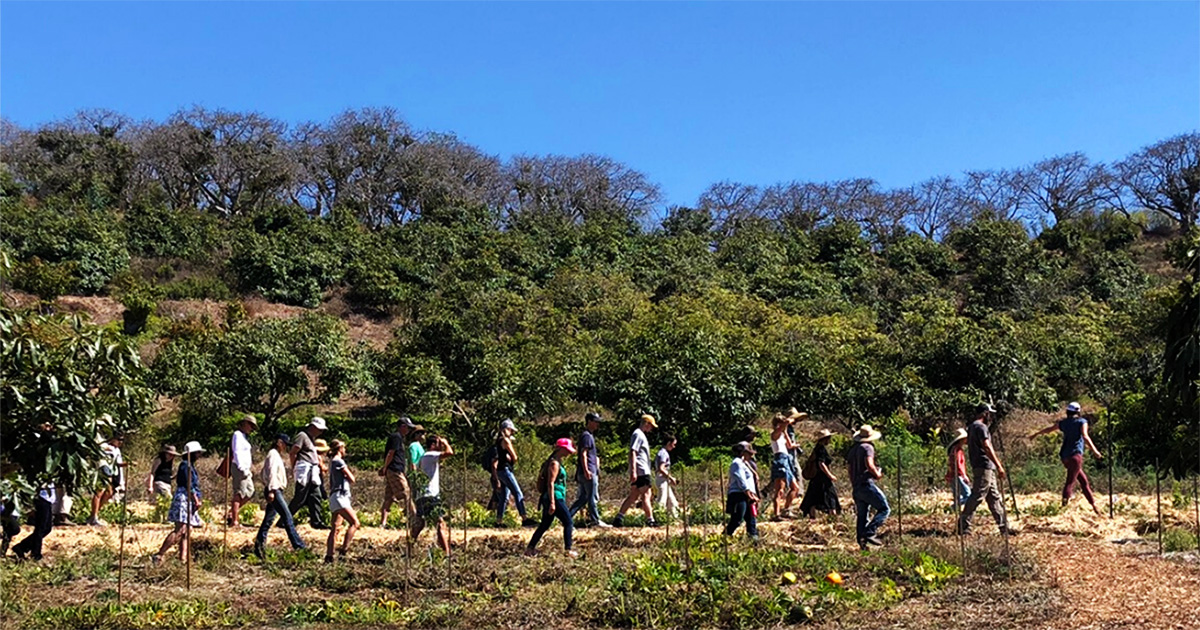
641 453
779 445
115 460
429 465
274 474
242 458
663 461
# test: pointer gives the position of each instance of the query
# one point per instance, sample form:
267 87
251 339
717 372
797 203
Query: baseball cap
566 443
508 424
1075 407
285 438
649 419
405 421
591 416
317 422
984 408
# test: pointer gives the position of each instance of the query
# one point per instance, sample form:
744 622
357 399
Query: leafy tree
64 384
265 366
90 244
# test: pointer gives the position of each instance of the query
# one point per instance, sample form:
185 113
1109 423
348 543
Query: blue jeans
508 483
549 512
43 522
278 507
962 491
588 496
867 496
737 505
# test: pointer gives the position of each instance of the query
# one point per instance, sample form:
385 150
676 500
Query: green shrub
197 288
1178 539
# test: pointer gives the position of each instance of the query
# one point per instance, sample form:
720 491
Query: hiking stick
121 553
1158 501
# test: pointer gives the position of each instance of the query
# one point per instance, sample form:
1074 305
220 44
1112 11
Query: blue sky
689 93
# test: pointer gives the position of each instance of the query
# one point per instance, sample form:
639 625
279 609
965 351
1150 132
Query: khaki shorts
243 485
396 491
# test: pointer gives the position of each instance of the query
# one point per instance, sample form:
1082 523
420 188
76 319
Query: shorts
782 468
339 501
642 481
430 507
162 488
396 490
243 484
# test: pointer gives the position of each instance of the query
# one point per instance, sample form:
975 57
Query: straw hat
822 434
192 447
867 434
251 419
169 450
792 414
321 445
959 436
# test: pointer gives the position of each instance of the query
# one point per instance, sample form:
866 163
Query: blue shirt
1072 431
741 479
860 475
587 454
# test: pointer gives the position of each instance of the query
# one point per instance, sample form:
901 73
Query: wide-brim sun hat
321 446
192 447
959 436
867 434
793 414
649 419
744 447
251 419
823 433
169 450
565 444
317 422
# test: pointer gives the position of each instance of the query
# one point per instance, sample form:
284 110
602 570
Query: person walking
274 478
506 461
986 470
1074 430
395 468
639 472
783 472
741 497
162 471
587 473
112 478
821 495
430 507
185 504
793 416
867 495
552 484
956 473
240 468
43 524
663 479
306 470
340 478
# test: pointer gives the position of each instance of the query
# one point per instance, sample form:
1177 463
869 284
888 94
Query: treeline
530 286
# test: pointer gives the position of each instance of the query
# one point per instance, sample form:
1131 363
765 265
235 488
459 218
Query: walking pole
1158 501
1111 463
121 553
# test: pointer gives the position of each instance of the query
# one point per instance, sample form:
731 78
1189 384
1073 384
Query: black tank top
162 472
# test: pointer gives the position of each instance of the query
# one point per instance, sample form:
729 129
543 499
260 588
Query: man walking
306 466
240 468
639 472
395 473
867 495
986 470
587 472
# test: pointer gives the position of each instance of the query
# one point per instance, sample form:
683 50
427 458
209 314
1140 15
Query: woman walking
274 478
340 478
741 498
162 470
1074 430
956 473
821 495
185 504
506 459
783 476
552 483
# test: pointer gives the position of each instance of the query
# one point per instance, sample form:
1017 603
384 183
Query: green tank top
560 483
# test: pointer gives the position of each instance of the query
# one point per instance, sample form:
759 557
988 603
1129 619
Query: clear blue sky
689 94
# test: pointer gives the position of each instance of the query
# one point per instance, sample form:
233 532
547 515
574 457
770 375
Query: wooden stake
687 538
962 542
1158 501
899 494
1196 489
1111 464
121 553
187 532
465 511
704 525
225 488
1007 478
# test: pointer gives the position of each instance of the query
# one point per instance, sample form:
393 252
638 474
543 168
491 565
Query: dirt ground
1091 571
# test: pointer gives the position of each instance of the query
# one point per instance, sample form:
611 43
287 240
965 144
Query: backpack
543 478
810 467
487 457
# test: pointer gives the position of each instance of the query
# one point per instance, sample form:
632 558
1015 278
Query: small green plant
1178 539
1044 509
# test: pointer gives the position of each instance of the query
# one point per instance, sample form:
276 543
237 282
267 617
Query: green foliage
1178 539
155 230
63 383
88 243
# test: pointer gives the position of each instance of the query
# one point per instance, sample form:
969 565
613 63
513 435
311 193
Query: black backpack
488 457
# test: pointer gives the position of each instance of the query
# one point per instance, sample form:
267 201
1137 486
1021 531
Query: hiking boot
530 552
259 552
328 559
619 521
1008 531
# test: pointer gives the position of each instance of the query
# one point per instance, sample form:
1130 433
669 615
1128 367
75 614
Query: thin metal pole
121 553
1158 501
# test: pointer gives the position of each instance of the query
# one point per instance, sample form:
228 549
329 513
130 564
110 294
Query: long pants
43 522
587 496
278 507
309 495
548 515
508 483
737 505
666 497
868 496
1075 472
962 491
984 485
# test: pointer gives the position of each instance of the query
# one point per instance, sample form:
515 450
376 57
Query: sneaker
571 553
651 523
619 521
603 525
97 522
1008 531
873 541
259 552
156 559
529 522
328 559
319 525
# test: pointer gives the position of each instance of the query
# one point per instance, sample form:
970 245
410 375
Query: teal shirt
415 452
560 483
